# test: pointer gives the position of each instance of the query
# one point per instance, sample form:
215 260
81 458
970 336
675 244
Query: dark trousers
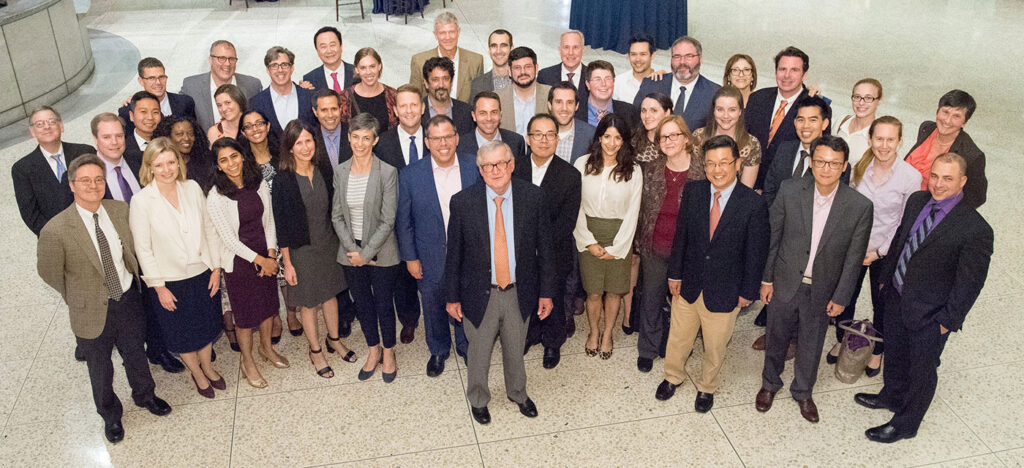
911 363
809 324
346 308
550 331
649 319
407 299
126 329
154 335
876 303
373 288
438 324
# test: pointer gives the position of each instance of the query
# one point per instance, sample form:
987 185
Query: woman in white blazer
179 253
240 207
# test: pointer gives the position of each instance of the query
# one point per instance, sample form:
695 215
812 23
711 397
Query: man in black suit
574 135
600 79
941 254
153 79
820 228
561 184
955 109
689 90
40 180
499 271
570 50
437 75
499 44
144 112
334 73
487 115
718 255
793 158
331 135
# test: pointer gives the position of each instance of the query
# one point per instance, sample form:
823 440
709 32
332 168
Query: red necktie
337 86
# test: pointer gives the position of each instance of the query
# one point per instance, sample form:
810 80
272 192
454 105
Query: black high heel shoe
322 372
232 339
348 357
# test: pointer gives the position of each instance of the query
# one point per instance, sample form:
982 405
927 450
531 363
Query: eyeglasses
88 181
724 165
222 59
499 165
741 71
671 136
834 165
599 80
543 136
256 124
153 79
865 99
448 137
279 66
686 57
44 123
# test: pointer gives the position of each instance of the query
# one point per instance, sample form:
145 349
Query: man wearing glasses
819 233
499 271
153 79
689 90
600 78
282 101
525 97
222 71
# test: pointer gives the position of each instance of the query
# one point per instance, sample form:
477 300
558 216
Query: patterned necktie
777 120
912 245
336 86
800 167
60 166
110 277
414 154
501 268
126 190
716 213
601 114
681 101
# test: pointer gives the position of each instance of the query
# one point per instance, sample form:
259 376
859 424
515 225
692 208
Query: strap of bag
849 325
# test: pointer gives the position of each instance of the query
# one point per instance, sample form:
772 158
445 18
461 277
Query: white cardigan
224 213
173 245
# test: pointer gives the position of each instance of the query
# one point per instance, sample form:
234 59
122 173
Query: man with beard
690 91
600 78
488 112
437 74
520 100
499 43
574 135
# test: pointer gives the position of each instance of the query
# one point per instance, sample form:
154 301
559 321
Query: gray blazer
379 205
840 251
480 84
198 88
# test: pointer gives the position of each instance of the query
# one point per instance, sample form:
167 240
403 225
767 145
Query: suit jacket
318 79
552 75
290 218
344 147
467 272
67 261
781 169
471 65
379 206
562 185
840 252
181 106
623 109
945 275
264 102
198 88
389 149
582 140
976 188
758 116
132 151
40 195
420 225
728 266
462 115
508 104
698 108
468 144
480 84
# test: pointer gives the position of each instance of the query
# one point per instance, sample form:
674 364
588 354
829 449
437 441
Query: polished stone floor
592 412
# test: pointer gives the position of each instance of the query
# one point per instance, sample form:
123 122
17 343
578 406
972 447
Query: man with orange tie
499 270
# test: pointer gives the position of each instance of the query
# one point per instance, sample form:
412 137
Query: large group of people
500 205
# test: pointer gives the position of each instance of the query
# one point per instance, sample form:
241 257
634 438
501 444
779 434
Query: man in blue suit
282 101
425 188
690 91
334 73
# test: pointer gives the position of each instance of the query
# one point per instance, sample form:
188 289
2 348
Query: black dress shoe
869 400
704 402
551 357
527 407
762 318
481 415
644 364
435 366
157 406
168 362
868 371
887 434
408 333
665 390
79 354
344 329
114 431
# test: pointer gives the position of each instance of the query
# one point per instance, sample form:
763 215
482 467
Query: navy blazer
290 218
38 192
263 102
562 186
318 79
781 168
462 115
623 109
419 223
181 106
468 144
552 76
698 108
389 150
582 140
728 266
758 116
467 272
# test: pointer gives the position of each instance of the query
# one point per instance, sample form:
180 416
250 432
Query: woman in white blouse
609 209
867 95
887 180
179 253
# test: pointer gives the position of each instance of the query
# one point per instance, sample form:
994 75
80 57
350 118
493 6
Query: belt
806 280
506 288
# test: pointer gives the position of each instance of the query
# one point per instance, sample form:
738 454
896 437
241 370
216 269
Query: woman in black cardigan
302 195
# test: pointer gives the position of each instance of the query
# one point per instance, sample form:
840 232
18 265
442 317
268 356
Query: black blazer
181 106
623 109
263 102
462 115
39 194
467 272
562 186
758 115
552 75
319 80
344 147
132 152
289 211
945 275
389 149
467 142
976 188
730 265
782 169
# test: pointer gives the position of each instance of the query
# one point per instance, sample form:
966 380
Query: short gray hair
84 160
491 147
446 18
220 42
39 109
571 31
363 121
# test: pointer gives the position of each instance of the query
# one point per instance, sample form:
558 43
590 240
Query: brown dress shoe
764 400
759 343
791 352
808 409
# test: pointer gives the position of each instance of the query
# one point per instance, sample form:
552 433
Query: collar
547 164
820 199
726 192
48 155
947 204
418 133
491 194
572 128
213 83
454 59
275 95
435 167
139 140
86 214
480 136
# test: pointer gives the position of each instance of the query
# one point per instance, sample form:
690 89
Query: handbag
856 349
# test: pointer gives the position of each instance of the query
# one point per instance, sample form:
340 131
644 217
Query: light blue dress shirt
510 237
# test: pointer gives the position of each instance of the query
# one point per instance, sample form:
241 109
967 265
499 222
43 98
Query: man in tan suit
525 98
468 65
86 253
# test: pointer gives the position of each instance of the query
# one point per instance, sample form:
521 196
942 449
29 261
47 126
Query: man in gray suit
820 229
499 44
222 71
574 135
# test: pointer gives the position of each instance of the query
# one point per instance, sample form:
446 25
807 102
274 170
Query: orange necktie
501 273
716 213
777 120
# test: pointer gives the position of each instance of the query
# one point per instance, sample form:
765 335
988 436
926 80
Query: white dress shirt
676 91
142 142
889 198
286 106
538 172
403 142
857 141
822 207
340 74
112 183
448 181
455 77
53 161
165 105
626 87
481 140
603 197
577 73
113 241
778 101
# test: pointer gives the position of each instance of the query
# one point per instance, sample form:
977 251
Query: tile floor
592 412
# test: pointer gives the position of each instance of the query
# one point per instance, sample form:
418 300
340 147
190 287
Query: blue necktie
414 154
912 245
60 166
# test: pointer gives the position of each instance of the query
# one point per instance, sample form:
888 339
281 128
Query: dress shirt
537 172
286 106
510 234
142 142
340 74
575 77
53 161
626 86
889 198
213 99
113 241
603 197
332 141
796 158
455 78
448 182
565 140
403 142
789 103
822 207
525 109
857 141
481 140
945 206
433 110
500 81
113 185
165 105
723 199
592 112
676 91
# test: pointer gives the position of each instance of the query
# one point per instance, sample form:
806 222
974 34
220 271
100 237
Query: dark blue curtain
608 24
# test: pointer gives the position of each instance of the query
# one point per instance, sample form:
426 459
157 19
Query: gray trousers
649 320
810 324
501 319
